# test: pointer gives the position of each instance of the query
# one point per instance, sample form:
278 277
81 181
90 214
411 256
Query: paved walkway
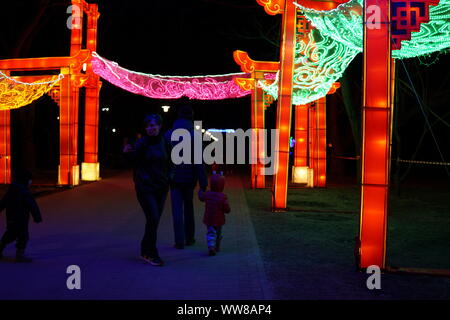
99 226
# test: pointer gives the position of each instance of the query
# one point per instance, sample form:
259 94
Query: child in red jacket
216 205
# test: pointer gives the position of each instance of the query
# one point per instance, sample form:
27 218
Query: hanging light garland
319 62
209 87
15 94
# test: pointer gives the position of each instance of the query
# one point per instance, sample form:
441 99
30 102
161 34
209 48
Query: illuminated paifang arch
66 94
258 71
405 38
285 90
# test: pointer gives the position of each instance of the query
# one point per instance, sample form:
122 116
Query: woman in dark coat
152 168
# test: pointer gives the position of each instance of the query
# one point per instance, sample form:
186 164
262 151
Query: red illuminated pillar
283 124
76 38
376 131
90 168
258 153
321 153
313 139
64 129
5 145
300 171
68 129
73 123
301 136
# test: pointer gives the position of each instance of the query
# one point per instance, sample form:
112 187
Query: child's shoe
20 257
211 251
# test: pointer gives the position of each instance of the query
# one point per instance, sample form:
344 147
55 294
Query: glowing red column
90 166
64 176
258 180
321 145
283 124
301 136
376 130
73 122
5 145
68 129
91 124
312 141
76 38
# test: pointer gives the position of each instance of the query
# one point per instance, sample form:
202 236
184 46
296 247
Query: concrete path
99 227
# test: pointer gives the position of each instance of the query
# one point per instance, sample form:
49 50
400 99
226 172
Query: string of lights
209 87
4 76
16 94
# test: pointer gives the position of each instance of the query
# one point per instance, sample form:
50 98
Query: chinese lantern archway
339 31
77 71
258 71
293 31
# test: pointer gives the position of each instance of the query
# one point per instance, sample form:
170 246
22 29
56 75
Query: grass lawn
308 252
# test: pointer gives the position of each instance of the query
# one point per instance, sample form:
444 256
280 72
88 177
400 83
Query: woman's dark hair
186 112
153 117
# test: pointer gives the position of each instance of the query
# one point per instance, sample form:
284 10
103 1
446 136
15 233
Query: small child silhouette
19 203
216 205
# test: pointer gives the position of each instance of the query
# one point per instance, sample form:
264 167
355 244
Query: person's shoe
179 246
21 258
211 251
155 261
190 242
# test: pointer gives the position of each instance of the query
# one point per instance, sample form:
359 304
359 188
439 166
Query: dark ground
308 251
98 227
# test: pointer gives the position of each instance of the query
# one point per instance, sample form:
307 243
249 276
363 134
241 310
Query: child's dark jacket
216 202
19 203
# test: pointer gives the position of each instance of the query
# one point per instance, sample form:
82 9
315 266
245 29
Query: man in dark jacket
19 203
184 180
